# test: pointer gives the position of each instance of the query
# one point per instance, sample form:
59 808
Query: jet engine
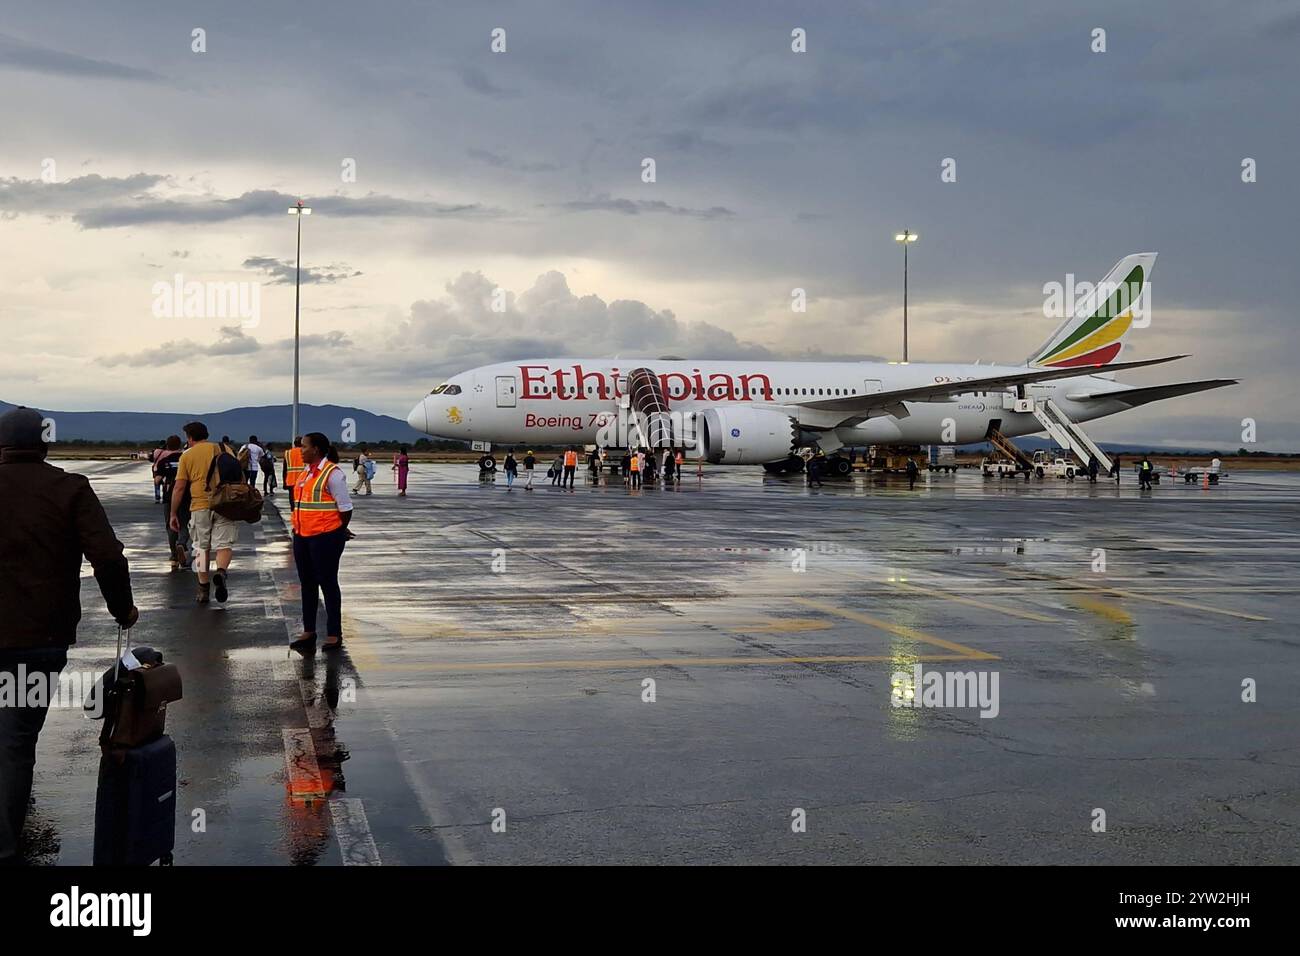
741 435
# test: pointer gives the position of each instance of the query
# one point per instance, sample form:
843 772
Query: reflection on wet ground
667 675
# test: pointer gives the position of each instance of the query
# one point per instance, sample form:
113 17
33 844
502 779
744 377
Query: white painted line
318 713
283 670
302 772
274 611
353 832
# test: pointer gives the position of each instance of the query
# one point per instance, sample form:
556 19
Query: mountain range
270 423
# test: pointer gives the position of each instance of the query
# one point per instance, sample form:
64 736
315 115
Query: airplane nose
419 418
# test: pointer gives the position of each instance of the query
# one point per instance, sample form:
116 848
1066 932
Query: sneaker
219 579
203 597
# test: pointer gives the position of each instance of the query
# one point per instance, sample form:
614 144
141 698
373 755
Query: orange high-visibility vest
315 510
570 459
636 463
294 467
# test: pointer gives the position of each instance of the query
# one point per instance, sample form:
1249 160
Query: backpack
244 454
370 469
232 497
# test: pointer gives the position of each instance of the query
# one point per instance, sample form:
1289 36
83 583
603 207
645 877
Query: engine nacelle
741 435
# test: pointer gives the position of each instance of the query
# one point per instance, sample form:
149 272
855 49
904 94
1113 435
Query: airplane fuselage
568 400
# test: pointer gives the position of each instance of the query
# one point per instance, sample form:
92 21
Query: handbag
238 501
135 711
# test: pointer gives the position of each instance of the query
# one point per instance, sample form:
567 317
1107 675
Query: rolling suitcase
135 805
135 801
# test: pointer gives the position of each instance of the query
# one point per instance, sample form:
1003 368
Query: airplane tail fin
1094 332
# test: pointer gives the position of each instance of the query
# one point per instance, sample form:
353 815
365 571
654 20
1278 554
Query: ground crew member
570 467
322 511
912 472
634 464
814 470
293 467
1145 470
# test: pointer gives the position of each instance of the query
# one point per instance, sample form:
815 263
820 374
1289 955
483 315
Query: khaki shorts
209 531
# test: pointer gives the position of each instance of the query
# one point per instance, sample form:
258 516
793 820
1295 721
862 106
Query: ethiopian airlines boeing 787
760 412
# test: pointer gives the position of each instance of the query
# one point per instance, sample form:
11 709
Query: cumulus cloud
461 329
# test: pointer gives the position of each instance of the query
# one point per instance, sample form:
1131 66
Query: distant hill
270 423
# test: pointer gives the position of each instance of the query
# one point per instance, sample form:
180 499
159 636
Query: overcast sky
129 158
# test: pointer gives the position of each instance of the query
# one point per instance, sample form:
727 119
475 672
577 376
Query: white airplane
761 412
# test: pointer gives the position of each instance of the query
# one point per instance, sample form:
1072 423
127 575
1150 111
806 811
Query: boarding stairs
1005 445
1067 433
649 421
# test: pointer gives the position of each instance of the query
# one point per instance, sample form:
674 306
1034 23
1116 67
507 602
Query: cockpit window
452 390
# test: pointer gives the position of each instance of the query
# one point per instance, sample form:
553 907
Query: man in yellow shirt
209 531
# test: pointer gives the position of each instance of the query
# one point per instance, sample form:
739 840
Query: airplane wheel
1069 473
841 467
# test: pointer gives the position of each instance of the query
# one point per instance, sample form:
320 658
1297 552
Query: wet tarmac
704 675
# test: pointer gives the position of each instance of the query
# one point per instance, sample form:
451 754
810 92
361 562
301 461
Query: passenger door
506 397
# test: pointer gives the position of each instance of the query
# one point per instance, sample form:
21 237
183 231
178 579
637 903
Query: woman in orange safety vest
321 513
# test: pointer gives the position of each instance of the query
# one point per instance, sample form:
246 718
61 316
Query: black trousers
317 558
19 729
569 471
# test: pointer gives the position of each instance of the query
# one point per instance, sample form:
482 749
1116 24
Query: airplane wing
858 408
1133 397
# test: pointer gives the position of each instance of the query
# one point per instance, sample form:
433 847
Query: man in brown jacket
51 518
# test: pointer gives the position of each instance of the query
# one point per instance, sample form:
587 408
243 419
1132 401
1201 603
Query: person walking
178 542
679 459
402 466
267 465
157 478
593 467
250 456
512 469
209 531
625 465
1145 471
815 470
557 470
570 467
530 464
320 522
53 518
912 472
1094 466
293 467
1114 469
668 468
365 468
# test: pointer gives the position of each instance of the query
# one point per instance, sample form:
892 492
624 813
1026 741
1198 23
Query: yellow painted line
931 591
1151 598
1110 612
902 630
635 663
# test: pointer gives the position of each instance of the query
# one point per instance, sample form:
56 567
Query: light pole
298 210
906 237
